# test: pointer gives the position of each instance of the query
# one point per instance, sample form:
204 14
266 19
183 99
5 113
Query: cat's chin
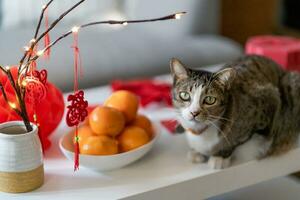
192 124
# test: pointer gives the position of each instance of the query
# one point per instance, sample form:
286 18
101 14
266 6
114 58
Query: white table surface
164 173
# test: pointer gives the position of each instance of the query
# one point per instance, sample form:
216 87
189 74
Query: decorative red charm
35 85
77 111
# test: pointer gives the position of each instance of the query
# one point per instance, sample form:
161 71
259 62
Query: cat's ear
178 70
226 76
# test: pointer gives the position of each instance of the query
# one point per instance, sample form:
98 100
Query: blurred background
213 31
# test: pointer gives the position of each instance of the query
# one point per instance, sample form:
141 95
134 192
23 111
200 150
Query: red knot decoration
77 110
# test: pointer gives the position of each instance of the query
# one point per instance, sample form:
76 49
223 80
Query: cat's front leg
195 157
218 162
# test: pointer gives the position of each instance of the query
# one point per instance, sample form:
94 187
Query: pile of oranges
115 127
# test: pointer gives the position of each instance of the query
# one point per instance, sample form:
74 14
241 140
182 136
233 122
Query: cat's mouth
198 131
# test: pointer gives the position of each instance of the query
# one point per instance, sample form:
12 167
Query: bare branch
7 101
41 18
123 22
36 40
3 92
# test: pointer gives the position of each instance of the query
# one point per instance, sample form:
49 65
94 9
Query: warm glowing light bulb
7 67
178 15
125 23
26 48
12 105
44 6
34 117
24 83
39 53
75 29
32 41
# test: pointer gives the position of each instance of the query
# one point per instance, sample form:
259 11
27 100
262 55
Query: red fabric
49 111
283 50
170 125
148 90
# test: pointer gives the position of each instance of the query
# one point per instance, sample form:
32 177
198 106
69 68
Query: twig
3 92
35 35
21 101
41 18
123 22
36 40
7 101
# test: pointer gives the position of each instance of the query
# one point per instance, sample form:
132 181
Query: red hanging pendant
47 36
35 85
77 110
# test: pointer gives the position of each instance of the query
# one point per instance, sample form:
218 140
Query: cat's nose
194 113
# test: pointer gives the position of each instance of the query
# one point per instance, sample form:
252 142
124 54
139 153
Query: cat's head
200 96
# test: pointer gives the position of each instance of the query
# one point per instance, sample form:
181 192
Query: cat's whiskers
220 118
225 137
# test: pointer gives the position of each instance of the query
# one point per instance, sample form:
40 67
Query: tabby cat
249 100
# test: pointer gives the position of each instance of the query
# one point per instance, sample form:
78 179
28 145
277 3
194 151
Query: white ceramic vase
21 158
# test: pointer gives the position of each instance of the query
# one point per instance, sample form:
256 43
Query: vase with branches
29 83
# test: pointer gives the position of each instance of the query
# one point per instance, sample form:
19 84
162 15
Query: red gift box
283 50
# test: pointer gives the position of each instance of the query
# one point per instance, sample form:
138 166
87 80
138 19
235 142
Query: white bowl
109 162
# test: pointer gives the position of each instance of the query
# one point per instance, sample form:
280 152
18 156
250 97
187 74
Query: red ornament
77 111
35 85
49 111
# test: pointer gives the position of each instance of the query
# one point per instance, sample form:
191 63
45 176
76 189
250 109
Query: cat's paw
195 157
216 162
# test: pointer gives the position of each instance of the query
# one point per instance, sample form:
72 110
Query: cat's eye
184 96
209 100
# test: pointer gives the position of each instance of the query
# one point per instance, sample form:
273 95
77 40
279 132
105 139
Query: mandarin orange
106 121
124 101
83 133
99 145
132 137
143 122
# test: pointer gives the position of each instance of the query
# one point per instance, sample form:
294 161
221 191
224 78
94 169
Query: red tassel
76 150
47 36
